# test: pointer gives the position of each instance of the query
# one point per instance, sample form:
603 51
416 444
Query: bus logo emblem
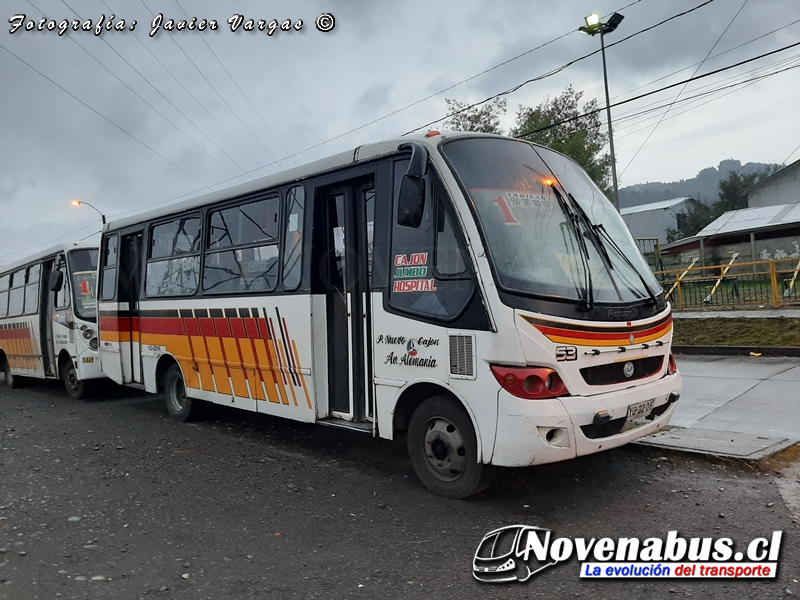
411 348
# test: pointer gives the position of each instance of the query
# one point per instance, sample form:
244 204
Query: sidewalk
765 313
744 407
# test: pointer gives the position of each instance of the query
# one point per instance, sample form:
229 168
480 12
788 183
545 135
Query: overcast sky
124 120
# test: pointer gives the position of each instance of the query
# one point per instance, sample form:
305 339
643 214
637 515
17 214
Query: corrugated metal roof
751 219
660 205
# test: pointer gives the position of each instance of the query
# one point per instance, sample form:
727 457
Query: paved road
246 506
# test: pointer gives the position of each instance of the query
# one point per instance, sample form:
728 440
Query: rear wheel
181 407
443 450
76 389
12 381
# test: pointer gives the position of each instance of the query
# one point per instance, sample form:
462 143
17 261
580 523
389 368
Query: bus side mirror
56 281
411 203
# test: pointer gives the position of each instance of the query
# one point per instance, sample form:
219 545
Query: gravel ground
111 499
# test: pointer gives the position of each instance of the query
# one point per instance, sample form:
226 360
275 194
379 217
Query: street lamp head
613 22
594 25
81 203
592 20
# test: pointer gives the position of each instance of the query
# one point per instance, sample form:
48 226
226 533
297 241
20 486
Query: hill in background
703 186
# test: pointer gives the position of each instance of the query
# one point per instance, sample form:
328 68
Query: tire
12 381
181 408
76 389
443 450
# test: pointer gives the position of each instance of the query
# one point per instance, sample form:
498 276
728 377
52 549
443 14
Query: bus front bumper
532 432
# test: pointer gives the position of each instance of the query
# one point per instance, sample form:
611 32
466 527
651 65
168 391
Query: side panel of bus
20 330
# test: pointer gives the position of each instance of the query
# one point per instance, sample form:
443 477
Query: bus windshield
549 230
83 269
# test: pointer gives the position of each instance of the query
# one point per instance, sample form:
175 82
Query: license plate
639 409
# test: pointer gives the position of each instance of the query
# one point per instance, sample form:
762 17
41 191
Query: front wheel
443 450
181 407
76 389
12 381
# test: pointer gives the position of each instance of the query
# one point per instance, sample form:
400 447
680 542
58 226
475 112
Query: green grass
737 332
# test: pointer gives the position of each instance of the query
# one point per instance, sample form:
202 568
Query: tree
580 138
692 219
483 119
697 216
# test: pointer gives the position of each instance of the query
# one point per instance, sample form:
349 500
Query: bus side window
242 252
4 281
16 297
429 276
108 264
293 238
32 289
173 266
448 259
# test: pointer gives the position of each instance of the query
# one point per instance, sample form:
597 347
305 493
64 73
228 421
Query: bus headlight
88 333
93 343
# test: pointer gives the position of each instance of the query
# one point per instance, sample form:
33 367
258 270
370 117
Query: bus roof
331 163
64 247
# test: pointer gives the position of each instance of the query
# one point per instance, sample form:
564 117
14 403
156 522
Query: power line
253 158
99 114
93 224
739 84
715 87
258 114
666 87
178 81
558 69
715 56
785 160
213 87
681 90
138 95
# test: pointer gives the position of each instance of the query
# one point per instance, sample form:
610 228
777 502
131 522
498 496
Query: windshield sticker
507 200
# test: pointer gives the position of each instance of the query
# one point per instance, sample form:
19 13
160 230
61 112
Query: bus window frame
206 251
104 268
147 258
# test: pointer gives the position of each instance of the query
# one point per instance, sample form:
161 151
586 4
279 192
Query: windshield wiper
602 229
588 299
601 233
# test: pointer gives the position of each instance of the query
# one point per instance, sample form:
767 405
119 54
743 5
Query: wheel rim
72 380
177 395
445 449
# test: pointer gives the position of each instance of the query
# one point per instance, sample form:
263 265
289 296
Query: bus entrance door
129 288
347 258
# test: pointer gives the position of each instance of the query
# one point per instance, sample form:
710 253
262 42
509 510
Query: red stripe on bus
163 325
237 328
15 334
223 327
252 328
207 327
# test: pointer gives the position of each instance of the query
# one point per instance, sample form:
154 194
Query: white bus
476 292
48 318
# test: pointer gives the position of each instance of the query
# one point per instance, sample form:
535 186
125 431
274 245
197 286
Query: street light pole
81 203
594 26
608 117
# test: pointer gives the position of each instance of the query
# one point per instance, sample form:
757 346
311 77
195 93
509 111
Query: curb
717 444
793 351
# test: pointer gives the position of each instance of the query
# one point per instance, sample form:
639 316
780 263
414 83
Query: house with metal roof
782 187
763 233
654 219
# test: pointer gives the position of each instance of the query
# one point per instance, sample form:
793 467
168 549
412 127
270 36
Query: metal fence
772 283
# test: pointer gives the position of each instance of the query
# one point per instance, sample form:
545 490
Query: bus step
365 427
